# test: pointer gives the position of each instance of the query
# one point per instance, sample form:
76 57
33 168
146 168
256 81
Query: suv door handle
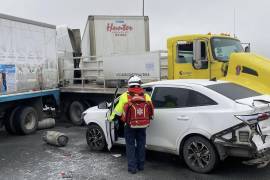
182 118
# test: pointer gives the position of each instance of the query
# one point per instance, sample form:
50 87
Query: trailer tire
26 120
76 108
9 121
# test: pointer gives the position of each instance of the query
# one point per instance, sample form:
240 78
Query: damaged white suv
202 121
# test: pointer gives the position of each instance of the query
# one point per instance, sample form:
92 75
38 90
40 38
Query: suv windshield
222 48
233 91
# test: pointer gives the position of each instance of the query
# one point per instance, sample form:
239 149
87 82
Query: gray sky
167 17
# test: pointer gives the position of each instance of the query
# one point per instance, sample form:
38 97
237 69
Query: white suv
202 121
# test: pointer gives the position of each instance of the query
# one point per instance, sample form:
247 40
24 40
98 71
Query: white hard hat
134 81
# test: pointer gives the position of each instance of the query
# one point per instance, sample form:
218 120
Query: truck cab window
184 52
222 48
204 56
203 51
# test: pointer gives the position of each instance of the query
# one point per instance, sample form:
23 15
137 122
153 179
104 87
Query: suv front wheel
95 138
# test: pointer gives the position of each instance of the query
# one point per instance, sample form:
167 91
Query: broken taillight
263 116
253 118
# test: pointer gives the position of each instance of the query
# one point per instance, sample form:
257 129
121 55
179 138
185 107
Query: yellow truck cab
210 56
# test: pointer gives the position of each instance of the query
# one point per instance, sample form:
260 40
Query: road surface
28 157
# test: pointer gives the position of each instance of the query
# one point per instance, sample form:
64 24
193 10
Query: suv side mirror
103 105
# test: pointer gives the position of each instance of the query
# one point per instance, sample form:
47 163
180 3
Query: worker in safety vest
136 110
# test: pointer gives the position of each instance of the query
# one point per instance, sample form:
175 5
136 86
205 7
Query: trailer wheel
95 138
76 109
9 121
26 120
199 154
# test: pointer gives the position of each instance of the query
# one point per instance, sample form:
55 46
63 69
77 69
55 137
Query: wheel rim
78 111
198 154
95 138
30 121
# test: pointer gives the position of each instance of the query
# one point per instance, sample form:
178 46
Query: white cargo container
114 70
28 72
27 55
107 35
111 40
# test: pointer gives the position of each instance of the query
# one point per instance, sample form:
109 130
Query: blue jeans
135 151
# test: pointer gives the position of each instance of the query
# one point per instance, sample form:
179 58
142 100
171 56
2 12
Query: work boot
132 171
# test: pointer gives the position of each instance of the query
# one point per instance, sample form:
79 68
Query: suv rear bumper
258 153
262 159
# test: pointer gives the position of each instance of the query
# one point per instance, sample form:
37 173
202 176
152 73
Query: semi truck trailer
28 72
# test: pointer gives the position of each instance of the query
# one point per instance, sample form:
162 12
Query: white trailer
107 35
28 72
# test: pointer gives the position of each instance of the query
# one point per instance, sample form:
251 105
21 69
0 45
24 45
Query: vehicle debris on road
46 123
55 138
68 175
117 155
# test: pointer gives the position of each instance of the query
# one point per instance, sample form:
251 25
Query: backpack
137 111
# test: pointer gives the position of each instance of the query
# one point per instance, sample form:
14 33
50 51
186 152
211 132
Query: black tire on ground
76 108
9 121
95 138
26 120
199 154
